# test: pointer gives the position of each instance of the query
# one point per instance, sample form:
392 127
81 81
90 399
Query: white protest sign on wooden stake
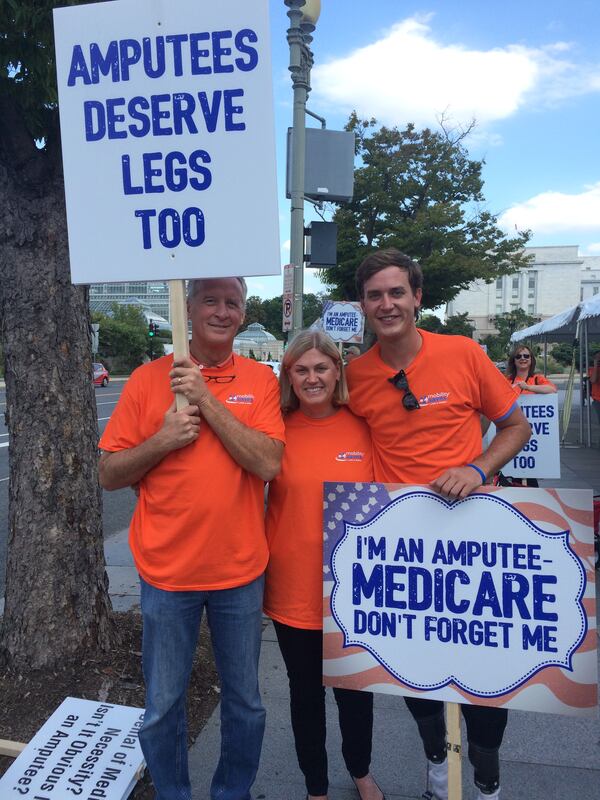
179 325
168 139
86 748
454 751
481 601
540 456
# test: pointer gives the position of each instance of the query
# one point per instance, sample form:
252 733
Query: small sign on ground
85 749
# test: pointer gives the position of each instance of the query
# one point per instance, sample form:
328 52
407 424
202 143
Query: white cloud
556 212
409 76
593 248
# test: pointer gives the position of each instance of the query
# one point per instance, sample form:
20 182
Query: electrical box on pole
329 165
323 244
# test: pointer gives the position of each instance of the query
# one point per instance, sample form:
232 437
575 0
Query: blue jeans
171 626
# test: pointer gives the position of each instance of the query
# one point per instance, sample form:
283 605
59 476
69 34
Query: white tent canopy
590 308
564 325
559 327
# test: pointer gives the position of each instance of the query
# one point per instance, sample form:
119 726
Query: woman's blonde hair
300 344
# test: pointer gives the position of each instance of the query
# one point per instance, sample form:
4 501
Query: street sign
288 297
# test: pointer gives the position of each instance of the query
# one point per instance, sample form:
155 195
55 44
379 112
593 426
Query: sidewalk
544 757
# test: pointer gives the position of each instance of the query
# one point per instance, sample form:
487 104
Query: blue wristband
480 471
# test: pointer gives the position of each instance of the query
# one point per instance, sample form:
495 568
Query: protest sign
86 748
168 139
344 321
488 600
540 457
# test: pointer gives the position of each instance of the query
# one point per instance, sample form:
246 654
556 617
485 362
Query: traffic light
152 329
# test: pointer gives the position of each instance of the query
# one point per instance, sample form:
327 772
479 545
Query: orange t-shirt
595 387
454 381
337 448
536 380
199 520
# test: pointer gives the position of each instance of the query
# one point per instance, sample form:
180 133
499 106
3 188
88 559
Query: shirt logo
351 455
434 399
240 399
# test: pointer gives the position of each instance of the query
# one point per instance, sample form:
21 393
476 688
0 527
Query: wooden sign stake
179 325
454 751
11 749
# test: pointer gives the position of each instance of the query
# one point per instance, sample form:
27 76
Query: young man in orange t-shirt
422 395
197 534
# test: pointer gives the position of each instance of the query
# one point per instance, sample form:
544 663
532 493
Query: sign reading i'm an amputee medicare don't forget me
344 321
489 600
168 139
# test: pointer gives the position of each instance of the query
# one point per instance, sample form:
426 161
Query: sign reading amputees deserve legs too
168 141
489 600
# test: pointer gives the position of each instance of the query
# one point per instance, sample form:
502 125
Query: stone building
557 277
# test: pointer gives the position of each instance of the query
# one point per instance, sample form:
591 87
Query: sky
528 71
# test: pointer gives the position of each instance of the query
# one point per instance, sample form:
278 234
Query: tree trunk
56 602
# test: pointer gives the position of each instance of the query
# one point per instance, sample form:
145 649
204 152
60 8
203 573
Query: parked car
274 365
101 376
501 365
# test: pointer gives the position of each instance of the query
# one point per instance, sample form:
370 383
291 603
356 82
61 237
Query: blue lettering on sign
158 54
163 115
172 227
418 589
174 167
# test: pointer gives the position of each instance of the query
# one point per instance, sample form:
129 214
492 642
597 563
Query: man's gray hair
195 283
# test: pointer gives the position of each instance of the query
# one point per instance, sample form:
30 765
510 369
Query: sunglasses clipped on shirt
400 382
219 378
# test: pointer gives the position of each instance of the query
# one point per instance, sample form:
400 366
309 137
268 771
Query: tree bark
56 603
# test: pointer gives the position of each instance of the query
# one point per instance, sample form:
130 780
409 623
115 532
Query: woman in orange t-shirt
525 380
324 442
522 375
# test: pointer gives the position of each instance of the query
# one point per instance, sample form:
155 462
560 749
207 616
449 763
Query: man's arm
253 450
512 433
126 467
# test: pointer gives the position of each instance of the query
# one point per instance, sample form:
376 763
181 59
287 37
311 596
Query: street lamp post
303 16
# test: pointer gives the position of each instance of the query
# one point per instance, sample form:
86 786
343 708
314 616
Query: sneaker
483 796
437 781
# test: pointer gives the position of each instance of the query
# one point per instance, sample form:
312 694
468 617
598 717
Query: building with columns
557 277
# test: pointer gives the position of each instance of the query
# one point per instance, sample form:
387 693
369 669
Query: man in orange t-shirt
197 534
422 395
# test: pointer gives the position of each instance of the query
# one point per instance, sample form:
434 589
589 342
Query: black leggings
302 651
485 729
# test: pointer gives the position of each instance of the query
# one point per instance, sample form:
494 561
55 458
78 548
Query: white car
274 365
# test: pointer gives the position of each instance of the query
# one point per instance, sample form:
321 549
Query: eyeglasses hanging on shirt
400 382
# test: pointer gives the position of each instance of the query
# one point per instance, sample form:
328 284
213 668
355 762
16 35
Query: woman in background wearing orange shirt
521 373
324 442
525 380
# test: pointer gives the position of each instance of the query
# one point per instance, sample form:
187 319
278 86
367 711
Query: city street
117 506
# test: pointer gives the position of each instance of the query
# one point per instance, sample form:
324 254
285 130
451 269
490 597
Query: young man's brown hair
390 257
